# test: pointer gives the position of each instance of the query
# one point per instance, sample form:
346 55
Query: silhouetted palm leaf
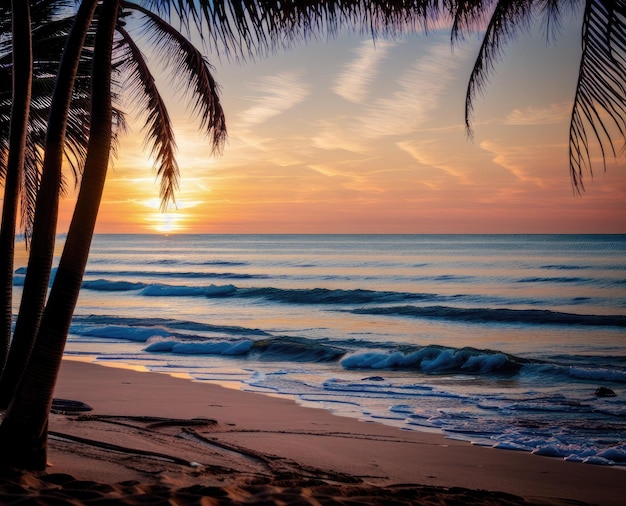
600 102
187 64
148 100
192 69
505 21
258 27
599 109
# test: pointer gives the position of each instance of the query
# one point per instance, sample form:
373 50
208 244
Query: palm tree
25 422
46 204
48 32
22 84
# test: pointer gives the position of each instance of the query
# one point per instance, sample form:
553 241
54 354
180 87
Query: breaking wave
435 359
178 337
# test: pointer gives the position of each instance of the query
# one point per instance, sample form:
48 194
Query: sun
169 223
166 222
173 220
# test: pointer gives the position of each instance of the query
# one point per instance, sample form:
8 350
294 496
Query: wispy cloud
420 92
529 164
339 133
419 95
432 154
273 96
555 113
354 81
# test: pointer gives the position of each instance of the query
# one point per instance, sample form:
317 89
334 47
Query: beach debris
604 392
373 378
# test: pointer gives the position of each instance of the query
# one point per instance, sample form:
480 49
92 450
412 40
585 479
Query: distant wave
495 315
188 291
104 285
292 296
167 261
559 279
328 296
572 267
176 274
82 323
338 297
598 374
562 267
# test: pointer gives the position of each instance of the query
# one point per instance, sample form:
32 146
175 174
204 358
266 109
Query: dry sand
155 439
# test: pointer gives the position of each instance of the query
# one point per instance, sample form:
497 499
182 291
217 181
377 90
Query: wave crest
434 359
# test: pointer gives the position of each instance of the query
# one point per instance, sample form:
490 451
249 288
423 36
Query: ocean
500 340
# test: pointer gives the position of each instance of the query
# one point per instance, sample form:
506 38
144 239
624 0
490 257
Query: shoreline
243 439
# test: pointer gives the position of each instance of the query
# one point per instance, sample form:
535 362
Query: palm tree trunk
23 432
22 82
46 210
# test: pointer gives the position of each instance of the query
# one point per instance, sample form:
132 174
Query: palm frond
469 16
507 19
5 121
600 102
77 135
190 67
551 13
4 154
32 175
249 28
158 126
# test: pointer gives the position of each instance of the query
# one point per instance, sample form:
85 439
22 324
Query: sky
352 136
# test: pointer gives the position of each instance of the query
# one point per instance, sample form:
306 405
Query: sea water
500 340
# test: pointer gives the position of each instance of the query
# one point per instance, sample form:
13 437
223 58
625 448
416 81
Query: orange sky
352 137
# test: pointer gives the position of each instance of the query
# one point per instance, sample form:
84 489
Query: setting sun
168 221
175 218
165 222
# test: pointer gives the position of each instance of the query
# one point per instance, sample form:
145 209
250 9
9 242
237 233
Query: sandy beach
154 439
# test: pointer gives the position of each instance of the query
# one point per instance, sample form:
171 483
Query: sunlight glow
166 222
173 220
